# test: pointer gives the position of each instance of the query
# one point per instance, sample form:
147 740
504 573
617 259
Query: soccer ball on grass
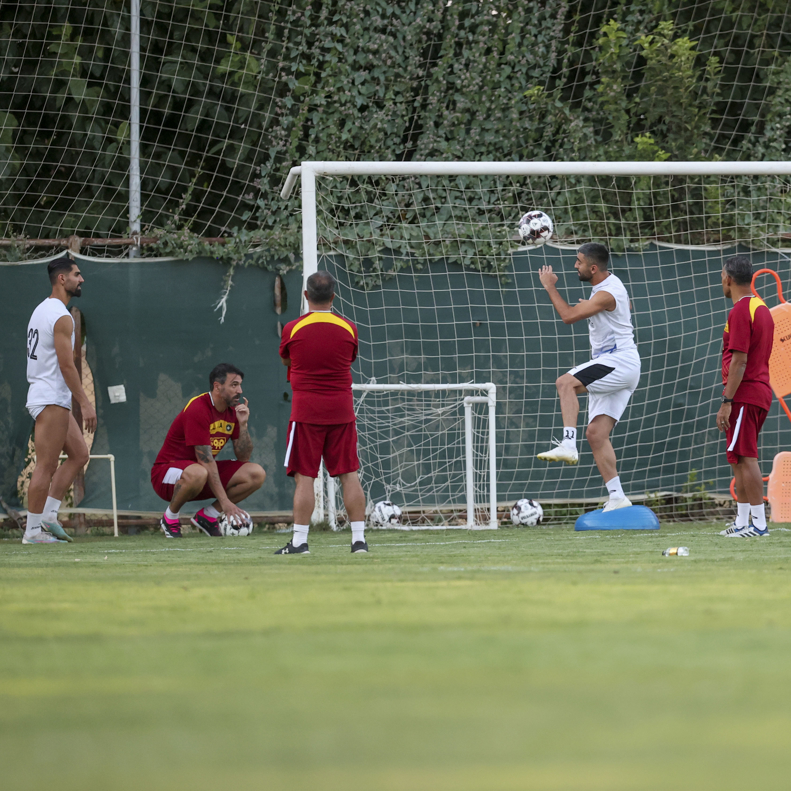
535 228
234 527
527 513
385 513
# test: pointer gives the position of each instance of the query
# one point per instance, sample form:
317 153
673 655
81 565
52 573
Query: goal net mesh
413 452
432 272
233 92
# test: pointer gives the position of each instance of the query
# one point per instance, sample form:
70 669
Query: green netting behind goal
150 326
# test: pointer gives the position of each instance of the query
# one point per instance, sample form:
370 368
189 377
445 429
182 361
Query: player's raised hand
243 412
547 277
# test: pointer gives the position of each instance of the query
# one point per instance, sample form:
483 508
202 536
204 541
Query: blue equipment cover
635 517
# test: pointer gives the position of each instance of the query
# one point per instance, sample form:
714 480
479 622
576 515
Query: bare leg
304 499
749 484
598 435
245 481
192 481
77 452
353 496
52 428
569 388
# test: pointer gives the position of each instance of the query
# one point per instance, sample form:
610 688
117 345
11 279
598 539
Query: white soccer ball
235 527
386 513
527 512
535 228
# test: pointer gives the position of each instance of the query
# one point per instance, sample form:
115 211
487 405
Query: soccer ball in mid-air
235 527
527 513
386 513
535 227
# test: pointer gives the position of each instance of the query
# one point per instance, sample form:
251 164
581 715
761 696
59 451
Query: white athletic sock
570 437
742 514
615 489
300 536
33 524
211 512
758 513
358 532
51 508
170 515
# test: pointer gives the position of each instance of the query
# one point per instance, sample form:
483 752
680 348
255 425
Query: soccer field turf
516 659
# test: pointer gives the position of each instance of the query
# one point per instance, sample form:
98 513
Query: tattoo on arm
243 446
203 454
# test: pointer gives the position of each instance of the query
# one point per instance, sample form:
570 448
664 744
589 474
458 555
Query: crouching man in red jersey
319 349
746 348
185 468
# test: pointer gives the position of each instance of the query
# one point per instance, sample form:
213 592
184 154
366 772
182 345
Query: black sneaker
359 546
170 529
209 526
290 549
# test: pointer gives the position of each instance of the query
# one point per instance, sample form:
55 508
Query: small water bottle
681 551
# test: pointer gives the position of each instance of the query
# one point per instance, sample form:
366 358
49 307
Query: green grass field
517 659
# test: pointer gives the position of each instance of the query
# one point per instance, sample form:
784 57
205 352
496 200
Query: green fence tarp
151 326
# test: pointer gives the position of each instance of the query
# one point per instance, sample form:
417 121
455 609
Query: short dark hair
739 269
321 287
220 373
62 264
597 253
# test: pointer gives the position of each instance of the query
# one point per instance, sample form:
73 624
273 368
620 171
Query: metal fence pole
135 198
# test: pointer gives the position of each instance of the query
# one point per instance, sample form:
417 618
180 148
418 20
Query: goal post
431 269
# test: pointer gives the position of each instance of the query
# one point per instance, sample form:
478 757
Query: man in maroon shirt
319 349
185 468
746 348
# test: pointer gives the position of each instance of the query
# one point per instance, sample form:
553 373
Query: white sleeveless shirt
612 331
47 385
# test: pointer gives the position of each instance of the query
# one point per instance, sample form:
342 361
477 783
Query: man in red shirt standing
746 348
185 468
319 349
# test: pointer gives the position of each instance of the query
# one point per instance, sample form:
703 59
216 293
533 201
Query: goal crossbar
308 171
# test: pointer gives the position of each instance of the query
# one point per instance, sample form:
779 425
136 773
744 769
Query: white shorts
610 380
36 409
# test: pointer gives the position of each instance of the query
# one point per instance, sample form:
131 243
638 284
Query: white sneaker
41 538
732 528
614 505
560 453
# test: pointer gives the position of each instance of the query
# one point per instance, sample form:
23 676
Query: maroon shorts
742 436
309 442
169 471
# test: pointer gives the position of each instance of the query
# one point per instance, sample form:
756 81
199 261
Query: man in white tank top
612 374
53 382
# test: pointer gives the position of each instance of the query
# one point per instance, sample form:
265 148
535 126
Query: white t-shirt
612 330
47 385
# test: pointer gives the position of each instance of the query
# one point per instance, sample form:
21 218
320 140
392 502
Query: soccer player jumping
610 377
746 348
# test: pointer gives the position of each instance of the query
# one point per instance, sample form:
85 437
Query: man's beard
76 293
584 278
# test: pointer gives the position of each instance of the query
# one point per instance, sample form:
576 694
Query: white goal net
432 271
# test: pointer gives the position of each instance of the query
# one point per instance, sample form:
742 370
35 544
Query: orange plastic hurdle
780 361
779 488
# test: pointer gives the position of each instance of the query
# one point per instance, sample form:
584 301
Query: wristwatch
726 400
